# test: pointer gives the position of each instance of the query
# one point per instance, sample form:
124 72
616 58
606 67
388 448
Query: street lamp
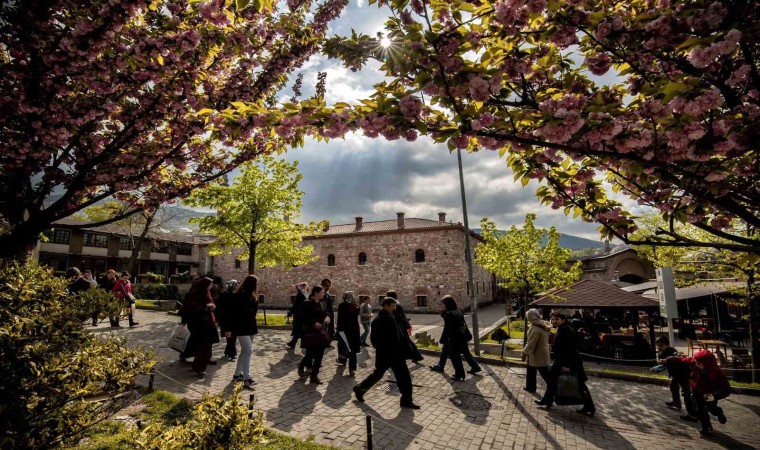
468 257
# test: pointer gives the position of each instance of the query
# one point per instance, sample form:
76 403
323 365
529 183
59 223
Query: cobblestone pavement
483 412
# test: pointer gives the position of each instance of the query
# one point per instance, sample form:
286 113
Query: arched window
419 256
330 260
362 258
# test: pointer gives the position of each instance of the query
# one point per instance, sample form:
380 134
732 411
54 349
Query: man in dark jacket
390 342
328 303
678 379
566 360
405 325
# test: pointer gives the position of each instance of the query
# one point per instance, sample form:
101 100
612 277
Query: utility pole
468 256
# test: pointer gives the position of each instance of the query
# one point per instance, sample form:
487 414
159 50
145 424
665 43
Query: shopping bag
179 338
345 340
568 390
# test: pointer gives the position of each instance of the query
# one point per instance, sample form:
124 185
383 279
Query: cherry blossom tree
120 98
672 123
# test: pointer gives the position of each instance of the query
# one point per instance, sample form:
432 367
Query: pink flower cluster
410 106
702 57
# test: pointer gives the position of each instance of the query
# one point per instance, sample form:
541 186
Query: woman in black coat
316 337
295 313
566 360
241 318
198 313
348 323
454 335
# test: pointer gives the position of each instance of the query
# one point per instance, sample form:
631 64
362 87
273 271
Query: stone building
620 263
420 259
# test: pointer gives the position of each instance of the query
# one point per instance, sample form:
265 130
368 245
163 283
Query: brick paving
484 412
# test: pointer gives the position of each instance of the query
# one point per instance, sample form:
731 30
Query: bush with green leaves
216 422
51 367
151 277
98 300
156 291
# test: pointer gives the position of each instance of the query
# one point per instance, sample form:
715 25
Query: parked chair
689 347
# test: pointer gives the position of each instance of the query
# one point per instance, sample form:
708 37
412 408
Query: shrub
50 366
152 277
216 422
98 300
181 276
517 325
156 291
499 335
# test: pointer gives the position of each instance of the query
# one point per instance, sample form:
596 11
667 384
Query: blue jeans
363 337
244 359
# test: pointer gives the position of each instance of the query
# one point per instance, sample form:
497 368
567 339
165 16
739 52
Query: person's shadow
339 388
396 433
298 401
468 398
284 366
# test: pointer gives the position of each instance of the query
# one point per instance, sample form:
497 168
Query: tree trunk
19 244
252 258
138 245
754 320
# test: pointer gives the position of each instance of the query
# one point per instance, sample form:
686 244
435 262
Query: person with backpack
708 385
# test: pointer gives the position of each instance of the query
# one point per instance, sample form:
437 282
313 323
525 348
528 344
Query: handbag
467 333
568 390
179 338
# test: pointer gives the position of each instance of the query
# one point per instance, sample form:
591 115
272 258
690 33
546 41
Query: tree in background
257 213
118 98
520 257
52 368
138 228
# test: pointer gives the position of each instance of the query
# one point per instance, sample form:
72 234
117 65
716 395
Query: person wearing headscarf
295 313
198 313
536 350
348 325
316 336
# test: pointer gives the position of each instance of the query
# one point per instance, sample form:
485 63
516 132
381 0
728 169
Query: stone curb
599 374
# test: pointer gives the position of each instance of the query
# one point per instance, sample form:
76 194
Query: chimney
442 217
607 247
358 224
400 220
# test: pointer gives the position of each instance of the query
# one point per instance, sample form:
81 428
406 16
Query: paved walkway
485 412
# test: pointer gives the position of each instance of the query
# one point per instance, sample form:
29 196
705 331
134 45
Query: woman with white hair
536 350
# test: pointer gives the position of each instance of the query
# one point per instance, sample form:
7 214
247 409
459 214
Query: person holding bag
567 360
122 289
348 325
241 316
316 337
454 336
536 350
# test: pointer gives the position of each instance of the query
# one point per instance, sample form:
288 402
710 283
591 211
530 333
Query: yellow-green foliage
216 422
51 366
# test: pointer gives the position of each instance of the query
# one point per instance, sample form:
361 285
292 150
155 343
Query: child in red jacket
708 384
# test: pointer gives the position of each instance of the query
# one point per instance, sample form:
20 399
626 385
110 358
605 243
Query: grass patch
429 346
274 320
276 440
515 331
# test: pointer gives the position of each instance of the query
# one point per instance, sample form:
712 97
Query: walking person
366 318
223 305
107 283
122 289
242 312
198 313
348 324
665 351
446 350
316 336
708 385
392 350
327 304
454 335
404 324
295 313
536 350
566 360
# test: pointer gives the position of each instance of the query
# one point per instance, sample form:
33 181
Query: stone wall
390 264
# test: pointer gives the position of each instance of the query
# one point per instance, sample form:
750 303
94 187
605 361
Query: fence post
151 379
250 406
265 316
369 432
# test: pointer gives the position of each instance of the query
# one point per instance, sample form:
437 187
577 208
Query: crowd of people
210 309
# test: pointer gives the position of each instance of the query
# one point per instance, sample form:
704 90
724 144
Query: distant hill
568 241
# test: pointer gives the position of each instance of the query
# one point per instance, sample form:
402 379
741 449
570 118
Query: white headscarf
532 315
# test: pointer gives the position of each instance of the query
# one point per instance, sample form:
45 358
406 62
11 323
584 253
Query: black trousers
703 409
230 350
685 390
313 359
530 379
400 371
552 387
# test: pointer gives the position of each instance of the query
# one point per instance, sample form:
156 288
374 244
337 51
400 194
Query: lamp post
468 257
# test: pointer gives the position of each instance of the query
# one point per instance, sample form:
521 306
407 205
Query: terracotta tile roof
386 225
595 294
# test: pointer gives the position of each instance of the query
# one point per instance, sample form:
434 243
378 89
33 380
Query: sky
375 178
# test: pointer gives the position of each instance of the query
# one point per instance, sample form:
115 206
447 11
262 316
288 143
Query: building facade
620 264
101 248
420 259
